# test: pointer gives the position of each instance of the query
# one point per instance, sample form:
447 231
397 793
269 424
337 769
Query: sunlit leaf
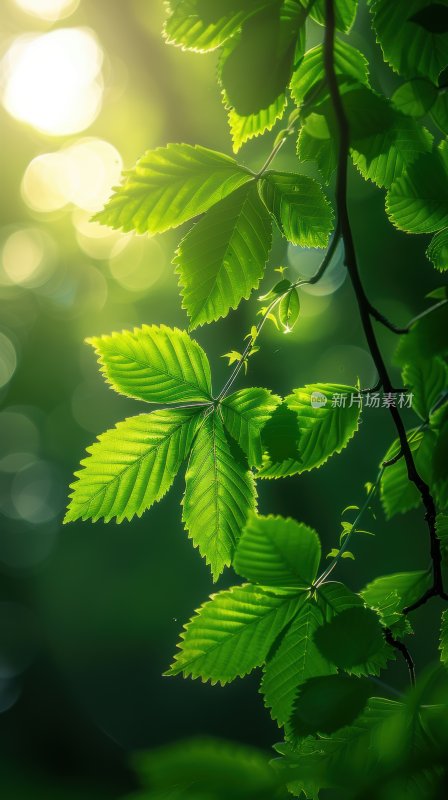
418 201
299 206
289 310
398 493
415 98
409 586
345 12
245 413
243 128
307 79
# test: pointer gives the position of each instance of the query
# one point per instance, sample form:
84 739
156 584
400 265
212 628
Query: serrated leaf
289 310
245 413
409 48
155 363
427 379
232 633
299 207
415 98
326 703
307 79
354 642
278 551
398 493
427 338
324 428
131 466
444 639
437 251
296 659
280 443
409 586
243 128
201 26
418 201
334 598
345 13
222 258
219 494
169 186
314 144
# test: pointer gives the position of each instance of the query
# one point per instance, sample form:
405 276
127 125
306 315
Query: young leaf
408 46
408 585
131 466
325 427
418 201
219 494
398 494
299 207
289 310
169 186
201 26
437 251
243 128
415 98
353 641
245 413
222 258
278 551
232 633
345 13
327 703
156 364
296 659
427 379
444 639
307 79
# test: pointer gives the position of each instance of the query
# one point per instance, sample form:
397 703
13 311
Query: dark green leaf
415 98
439 112
437 251
278 551
418 201
427 379
280 441
398 493
326 703
222 258
428 337
353 640
433 18
444 639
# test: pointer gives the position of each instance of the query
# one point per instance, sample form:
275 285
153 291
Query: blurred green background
90 614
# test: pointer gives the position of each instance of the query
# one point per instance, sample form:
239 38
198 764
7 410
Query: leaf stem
364 306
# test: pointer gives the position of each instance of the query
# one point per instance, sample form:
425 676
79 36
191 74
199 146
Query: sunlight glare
53 80
49 10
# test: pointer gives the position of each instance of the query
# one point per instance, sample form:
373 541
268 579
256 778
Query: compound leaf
232 633
131 466
299 207
219 494
278 551
296 659
156 364
169 186
245 413
222 258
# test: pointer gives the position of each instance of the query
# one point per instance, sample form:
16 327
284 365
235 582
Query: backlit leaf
437 251
299 207
245 413
418 201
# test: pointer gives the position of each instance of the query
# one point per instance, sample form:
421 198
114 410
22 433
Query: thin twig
390 639
362 300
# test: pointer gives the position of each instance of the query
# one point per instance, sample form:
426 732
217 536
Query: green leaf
289 310
296 659
232 633
345 13
131 466
433 18
415 98
439 112
418 201
307 79
202 26
265 48
169 186
245 413
205 765
398 493
437 251
444 639
408 585
314 144
280 443
439 477
409 47
325 427
427 379
156 364
222 258
334 598
278 551
219 494
353 641
428 337
327 703
299 207
243 128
